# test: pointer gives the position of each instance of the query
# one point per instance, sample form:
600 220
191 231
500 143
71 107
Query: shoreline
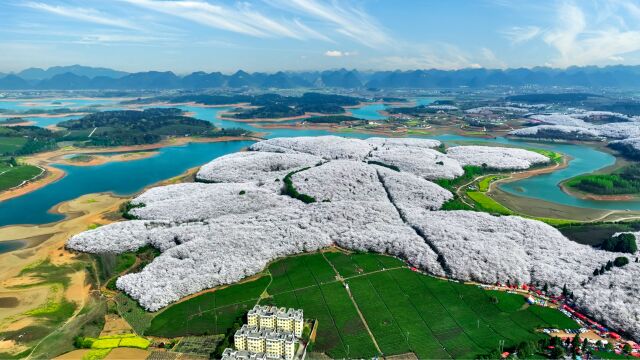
532 207
52 174
102 159
24 123
587 196
48 116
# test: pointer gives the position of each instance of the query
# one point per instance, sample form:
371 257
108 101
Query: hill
626 77
131 127
88 71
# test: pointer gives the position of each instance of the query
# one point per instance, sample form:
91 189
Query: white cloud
519 34
349 21
83 14
491 60
242 19
583 42
338 53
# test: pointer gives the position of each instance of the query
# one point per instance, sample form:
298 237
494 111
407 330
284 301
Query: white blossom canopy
218 233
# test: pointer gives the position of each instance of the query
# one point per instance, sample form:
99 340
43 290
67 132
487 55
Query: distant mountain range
90 72
78 77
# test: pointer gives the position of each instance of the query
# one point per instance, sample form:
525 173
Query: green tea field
368 305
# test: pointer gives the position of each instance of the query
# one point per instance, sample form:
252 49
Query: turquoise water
44 122
22 105
118 177
423 101
124 178
370 112
545 187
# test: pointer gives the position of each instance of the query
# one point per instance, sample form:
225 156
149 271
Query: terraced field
404 311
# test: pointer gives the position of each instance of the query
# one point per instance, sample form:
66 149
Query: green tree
575 343
585 345
621 261
557 352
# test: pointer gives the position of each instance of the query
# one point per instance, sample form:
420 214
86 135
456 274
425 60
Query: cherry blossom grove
370 195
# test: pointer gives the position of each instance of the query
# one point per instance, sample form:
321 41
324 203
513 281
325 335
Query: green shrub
291 191
128 206
621 261
622 243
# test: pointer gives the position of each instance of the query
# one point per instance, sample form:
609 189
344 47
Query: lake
125 178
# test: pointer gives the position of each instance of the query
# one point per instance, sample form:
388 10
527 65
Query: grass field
405 311
488 204
552 155
483 185
14 176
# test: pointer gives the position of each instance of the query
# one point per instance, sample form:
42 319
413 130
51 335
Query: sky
298 35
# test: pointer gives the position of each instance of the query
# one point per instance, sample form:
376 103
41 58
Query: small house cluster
270 333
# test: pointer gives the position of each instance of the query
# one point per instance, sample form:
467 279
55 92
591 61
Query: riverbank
24 123
588 196
51 175
47 160
46 243
94 160
620 163
536 208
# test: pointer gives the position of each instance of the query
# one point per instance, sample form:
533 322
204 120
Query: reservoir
125 178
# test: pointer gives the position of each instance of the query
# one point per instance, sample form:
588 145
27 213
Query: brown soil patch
9 302
127 353
78 289
73 355
115 325
85 210
10 346
21 281
28 299
20 324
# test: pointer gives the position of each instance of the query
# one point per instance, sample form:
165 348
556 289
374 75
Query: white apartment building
231 354
282 319
274 344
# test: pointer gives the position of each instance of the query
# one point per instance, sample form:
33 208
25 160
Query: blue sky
271 35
